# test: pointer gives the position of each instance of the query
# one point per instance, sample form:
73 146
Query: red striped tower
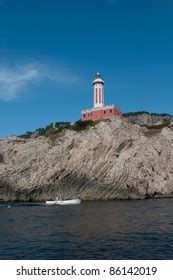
99 111
98 84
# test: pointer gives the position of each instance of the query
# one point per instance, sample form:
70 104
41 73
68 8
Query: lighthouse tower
98 84
99 110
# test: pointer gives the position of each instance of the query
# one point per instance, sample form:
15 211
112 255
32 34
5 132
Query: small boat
64 202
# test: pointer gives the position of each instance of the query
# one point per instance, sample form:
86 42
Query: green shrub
62 124
82 125
138 113
26 135
41 131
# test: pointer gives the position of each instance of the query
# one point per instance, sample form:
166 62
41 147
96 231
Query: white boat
64 202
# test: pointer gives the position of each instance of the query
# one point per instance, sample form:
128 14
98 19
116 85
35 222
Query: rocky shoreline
115 159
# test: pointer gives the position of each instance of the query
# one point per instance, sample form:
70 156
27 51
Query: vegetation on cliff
54 129
138 113
152 121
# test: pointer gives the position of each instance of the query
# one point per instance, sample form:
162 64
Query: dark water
92 230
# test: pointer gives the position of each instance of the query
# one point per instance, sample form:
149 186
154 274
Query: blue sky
50 51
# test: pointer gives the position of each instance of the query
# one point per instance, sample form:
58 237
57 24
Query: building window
104 112
110 110
84 115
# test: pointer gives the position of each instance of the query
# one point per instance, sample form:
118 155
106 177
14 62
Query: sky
50 51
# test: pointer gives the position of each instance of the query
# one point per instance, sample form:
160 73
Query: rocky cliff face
113 160
147 119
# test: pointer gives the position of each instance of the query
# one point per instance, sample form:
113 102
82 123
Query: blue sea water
93 230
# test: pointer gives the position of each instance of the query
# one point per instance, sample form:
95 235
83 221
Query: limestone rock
115 159
149 119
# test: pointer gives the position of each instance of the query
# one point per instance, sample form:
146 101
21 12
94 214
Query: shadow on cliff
6 192
72 186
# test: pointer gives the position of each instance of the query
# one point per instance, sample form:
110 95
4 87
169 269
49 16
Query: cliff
149 119
114 159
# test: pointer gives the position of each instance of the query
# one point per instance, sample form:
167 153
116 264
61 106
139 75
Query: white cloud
57 73
14 80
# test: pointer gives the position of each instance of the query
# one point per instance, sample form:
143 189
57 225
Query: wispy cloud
57 73
14 80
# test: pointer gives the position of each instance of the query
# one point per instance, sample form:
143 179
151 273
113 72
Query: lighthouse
99 110
98 84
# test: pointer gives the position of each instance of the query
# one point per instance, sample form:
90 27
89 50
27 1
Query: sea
140 229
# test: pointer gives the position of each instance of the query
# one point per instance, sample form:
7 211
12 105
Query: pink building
99 111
